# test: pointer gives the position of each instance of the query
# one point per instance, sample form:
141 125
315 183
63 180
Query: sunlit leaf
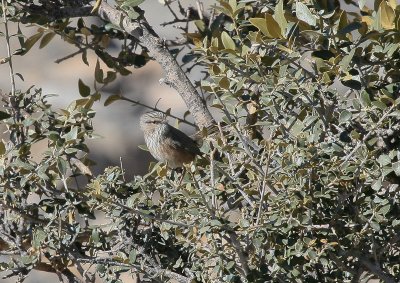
227 41
303 13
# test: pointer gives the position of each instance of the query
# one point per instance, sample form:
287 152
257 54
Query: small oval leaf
84 90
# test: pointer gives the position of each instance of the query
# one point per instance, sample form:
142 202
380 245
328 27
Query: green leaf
84 57
2 148
349 28
280 17
354 84
345 115
81 166
84 90
21 164
224 83
4 115
384 159
268 26
98 72
364 98
46 39
132 256
323 54
111 99
273 27
62 166
387 16
95 236
20 76
71 135
344 64
376 185
132 14
111 76
361 4
297 128
227 41
396 168
384 209
28 44
379 104
233 4
131 3
20 37
215 223
375 226
38 238
304 14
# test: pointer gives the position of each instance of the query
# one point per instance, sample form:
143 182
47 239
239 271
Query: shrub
299 182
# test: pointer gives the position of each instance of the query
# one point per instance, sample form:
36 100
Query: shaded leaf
30 42
364 98
2 148
323 54
350 27
354 84
98 72
84 90
46 39
20 76
111 99
4 115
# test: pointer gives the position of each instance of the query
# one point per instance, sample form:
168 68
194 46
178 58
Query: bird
166 143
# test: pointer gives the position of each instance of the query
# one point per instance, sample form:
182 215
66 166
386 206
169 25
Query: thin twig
79 51
200 190
376 270
10 64
121 97
264 185
368 134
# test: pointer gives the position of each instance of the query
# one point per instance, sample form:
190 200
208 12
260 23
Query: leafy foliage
299 183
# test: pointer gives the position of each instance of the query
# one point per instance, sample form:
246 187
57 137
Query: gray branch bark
174 76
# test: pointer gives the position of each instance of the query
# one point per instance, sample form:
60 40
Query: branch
54 14
376 270
142 31
174 76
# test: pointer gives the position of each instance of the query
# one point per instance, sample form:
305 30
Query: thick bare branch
174 76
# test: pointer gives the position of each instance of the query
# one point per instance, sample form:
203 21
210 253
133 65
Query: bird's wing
181 140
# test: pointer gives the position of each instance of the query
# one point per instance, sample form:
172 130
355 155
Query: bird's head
151 120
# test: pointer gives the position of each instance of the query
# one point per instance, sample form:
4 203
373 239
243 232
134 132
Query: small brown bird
166 143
